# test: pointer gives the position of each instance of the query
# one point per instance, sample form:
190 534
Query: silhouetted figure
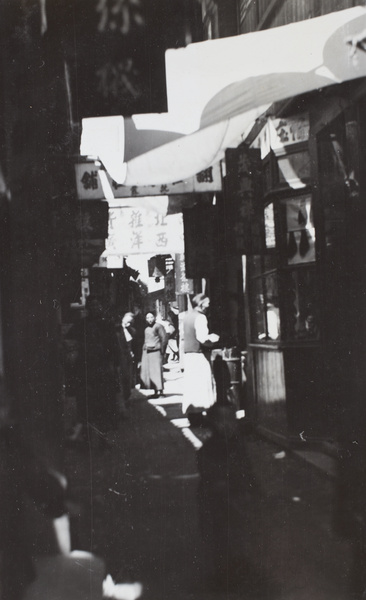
24 478
222 379
97 368
126 335
139 326
226 481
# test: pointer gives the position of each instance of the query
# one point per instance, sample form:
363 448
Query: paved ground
139 512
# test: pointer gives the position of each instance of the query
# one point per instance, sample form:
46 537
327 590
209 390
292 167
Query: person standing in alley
153 351
199 386
126 335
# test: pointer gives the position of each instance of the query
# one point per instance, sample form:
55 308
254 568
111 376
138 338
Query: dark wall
57 67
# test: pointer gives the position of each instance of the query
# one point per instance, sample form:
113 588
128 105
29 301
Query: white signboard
140 231
278 133
93 183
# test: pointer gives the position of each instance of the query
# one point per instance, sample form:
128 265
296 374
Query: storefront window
284 305
300 231
283 280
302 318
258 309
266 316
272 307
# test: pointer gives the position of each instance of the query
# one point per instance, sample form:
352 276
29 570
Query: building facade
62 62
302 255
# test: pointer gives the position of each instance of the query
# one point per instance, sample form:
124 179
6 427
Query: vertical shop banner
170 286
244 225
183 285
200 240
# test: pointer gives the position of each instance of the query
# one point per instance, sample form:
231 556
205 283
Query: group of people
110 360
198 381
105 363
199 392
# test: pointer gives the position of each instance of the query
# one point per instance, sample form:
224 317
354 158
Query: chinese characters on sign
290 130
243 166
205 176
169 286
278 133
182 284
89 186
90 180
137 230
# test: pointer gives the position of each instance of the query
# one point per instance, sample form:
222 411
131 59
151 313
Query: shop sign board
141 231
200 237
283 132
289 130
183 285
244 183
170 286
89 184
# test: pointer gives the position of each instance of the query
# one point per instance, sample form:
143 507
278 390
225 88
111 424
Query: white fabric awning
216 89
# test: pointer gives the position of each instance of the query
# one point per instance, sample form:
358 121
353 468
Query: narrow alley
182 180
138 511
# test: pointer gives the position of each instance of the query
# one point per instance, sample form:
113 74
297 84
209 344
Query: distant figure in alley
153 351
199 387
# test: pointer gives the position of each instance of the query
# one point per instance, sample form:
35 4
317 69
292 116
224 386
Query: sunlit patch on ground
192 438
180 423
163 401
158 408
121 591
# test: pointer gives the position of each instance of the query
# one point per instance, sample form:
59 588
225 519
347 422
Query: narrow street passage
138 504
138 511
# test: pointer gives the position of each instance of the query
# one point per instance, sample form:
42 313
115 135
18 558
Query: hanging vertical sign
183 285
170 286
243 187
200 240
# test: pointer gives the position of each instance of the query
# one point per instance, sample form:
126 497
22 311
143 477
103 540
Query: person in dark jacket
126 336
